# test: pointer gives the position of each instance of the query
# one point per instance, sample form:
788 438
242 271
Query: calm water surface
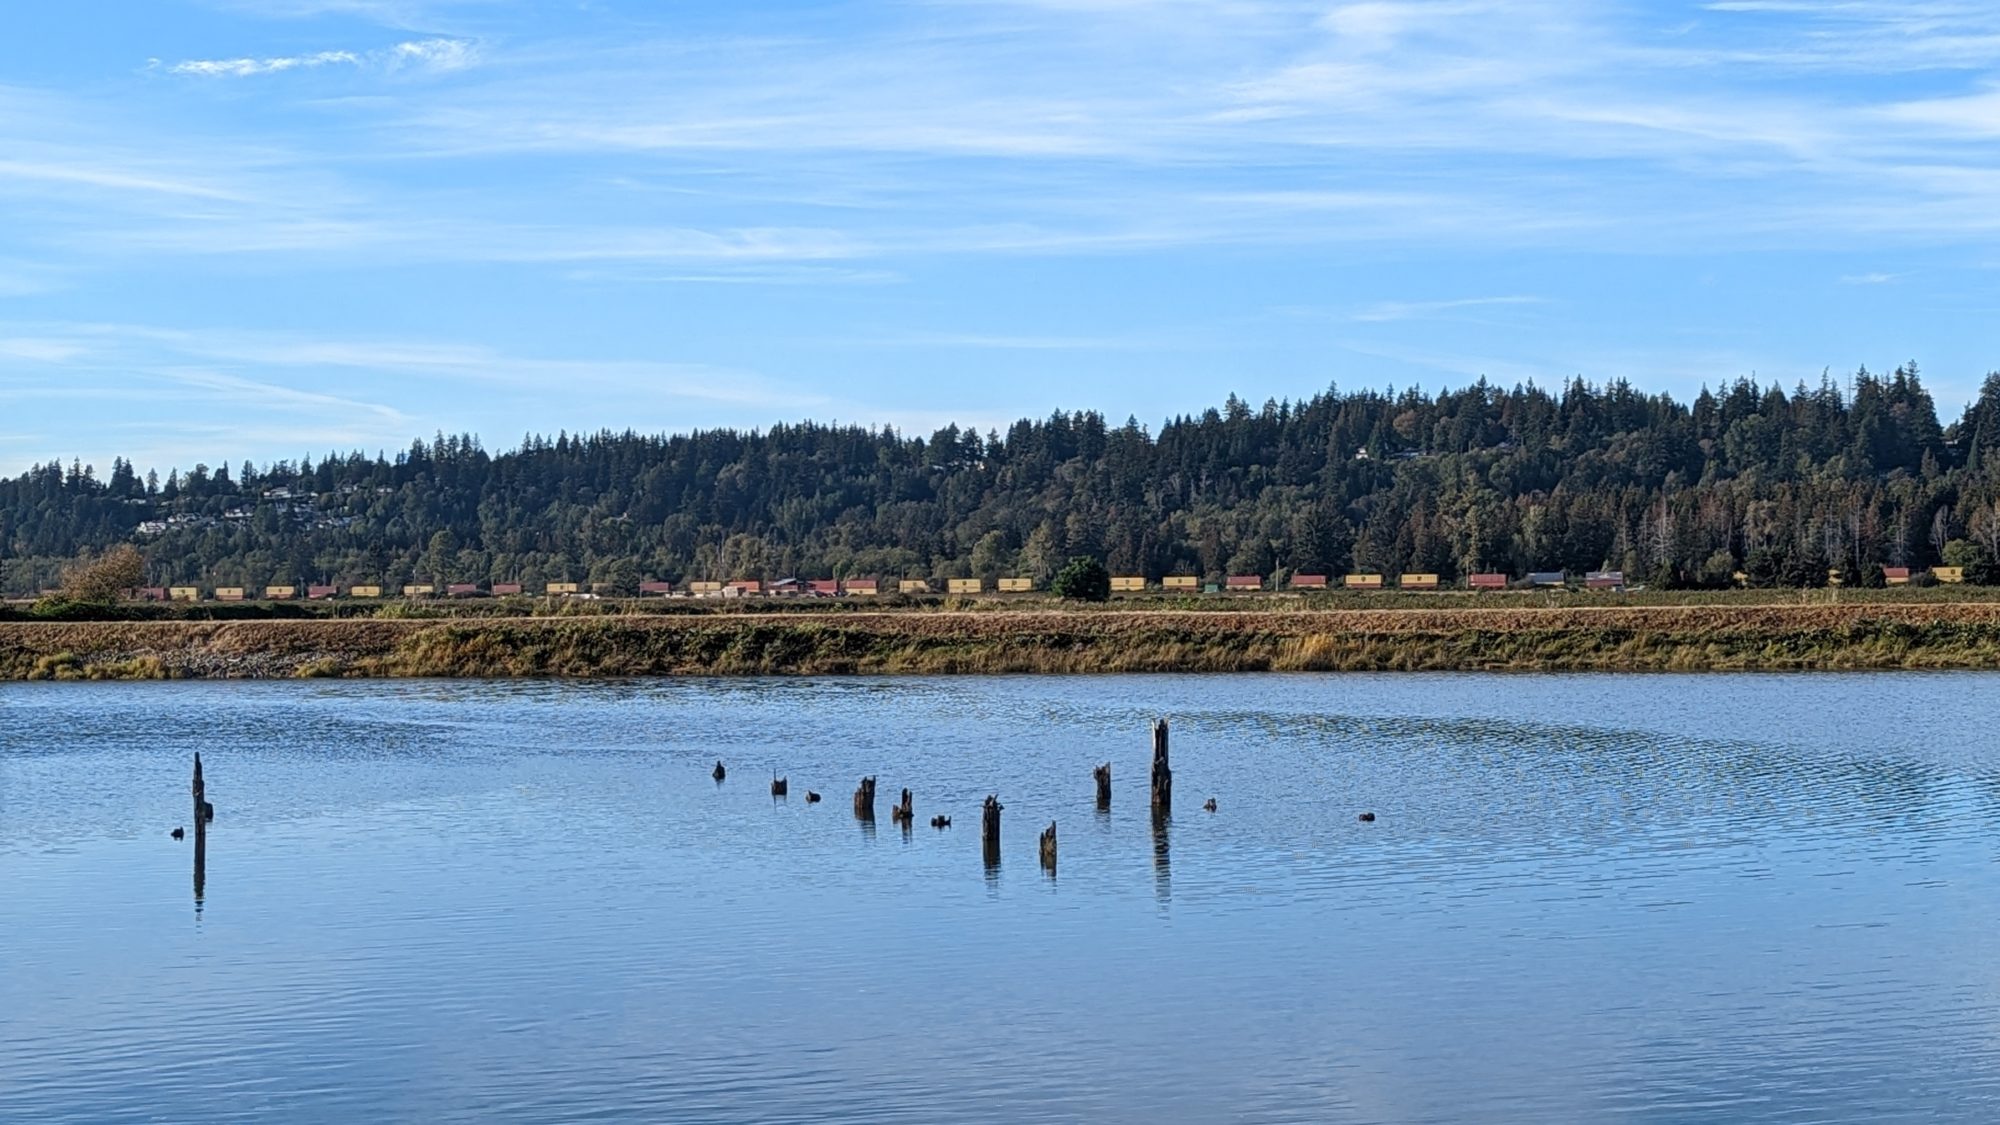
1588 898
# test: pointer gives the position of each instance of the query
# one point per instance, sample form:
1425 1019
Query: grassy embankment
1856 633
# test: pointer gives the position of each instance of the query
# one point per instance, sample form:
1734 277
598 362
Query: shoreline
1722 638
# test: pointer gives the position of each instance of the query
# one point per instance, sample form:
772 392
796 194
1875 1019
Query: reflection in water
1795 873
1163 875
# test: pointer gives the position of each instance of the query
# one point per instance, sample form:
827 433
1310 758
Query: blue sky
265 228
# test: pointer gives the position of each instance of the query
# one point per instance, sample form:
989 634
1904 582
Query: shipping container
824 587
1182 583
462 589
561 589
1604 580
280 593
965 585
229 593
704 589
1244 582
184 593
506 589
1547 578
1363 581
913 586
1016 585
419 590
1308 581
656 589
1418 582
1896 575
860 587
364 591
1953 574
1487 581
318 592
1130 584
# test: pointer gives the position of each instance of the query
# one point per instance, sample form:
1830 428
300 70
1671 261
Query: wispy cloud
1385 311
428 54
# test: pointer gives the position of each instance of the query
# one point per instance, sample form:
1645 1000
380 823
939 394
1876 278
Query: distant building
1896 575
824 587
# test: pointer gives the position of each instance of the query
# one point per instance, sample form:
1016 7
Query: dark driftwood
1103 776
864 799
1163 775
780 786
1049 847
989 829
904 811
201 818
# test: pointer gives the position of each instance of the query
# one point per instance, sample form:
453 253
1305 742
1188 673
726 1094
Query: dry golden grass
1662 638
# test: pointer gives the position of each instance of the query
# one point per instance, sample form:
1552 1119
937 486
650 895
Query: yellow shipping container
554 588
229 593
1419 582
701 588
364 591
1948 573
1187 583
1128 585
913 586
1016 585
419 590
280 593
1363 581
965 585
185 593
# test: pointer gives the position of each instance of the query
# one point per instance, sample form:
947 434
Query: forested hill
1481 478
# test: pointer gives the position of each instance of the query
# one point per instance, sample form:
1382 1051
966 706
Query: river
1753 898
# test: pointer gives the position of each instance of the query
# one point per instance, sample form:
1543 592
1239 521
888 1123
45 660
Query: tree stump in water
904 812
1163 775
864 799
1049 847
201 817
1103 776
989 829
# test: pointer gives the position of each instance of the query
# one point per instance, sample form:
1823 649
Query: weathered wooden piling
1163 774
1049 847
201 816
864 799
989 830
1103 775
903 812
780 786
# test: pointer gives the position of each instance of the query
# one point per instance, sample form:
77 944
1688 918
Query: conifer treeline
1483 478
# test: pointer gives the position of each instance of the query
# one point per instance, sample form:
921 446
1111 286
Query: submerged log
780 786
904 811
989 830
1103 776
1049 847
1163 774
864 799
